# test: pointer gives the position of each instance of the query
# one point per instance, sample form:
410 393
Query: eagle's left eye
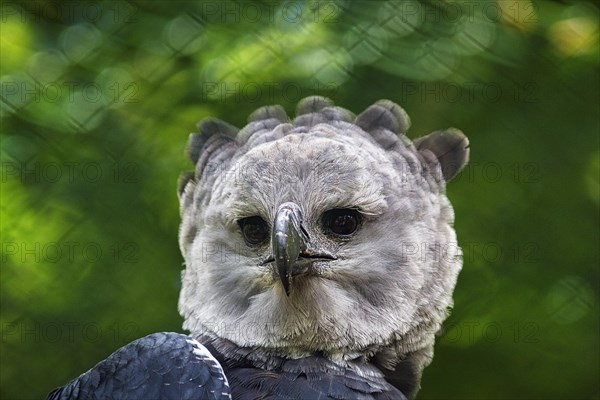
341 221
254 229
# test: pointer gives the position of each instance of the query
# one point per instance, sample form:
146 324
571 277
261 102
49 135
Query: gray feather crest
385 121
384 114
449 147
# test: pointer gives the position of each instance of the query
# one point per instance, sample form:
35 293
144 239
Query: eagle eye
254 229
341 221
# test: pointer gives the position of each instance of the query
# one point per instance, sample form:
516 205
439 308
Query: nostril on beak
316 254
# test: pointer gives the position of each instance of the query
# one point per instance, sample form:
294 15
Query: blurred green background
98 99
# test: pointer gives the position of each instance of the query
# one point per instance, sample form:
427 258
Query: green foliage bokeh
98 99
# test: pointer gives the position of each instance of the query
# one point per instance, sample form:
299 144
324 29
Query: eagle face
329 234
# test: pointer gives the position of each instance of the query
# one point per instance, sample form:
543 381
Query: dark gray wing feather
253 384
159 366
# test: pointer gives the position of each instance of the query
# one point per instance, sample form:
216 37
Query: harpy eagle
320 262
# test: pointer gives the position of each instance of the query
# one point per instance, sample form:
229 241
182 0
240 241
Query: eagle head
327 234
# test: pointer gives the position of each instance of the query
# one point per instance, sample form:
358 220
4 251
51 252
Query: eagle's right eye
254 229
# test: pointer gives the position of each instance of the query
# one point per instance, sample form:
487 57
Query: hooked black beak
290 242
